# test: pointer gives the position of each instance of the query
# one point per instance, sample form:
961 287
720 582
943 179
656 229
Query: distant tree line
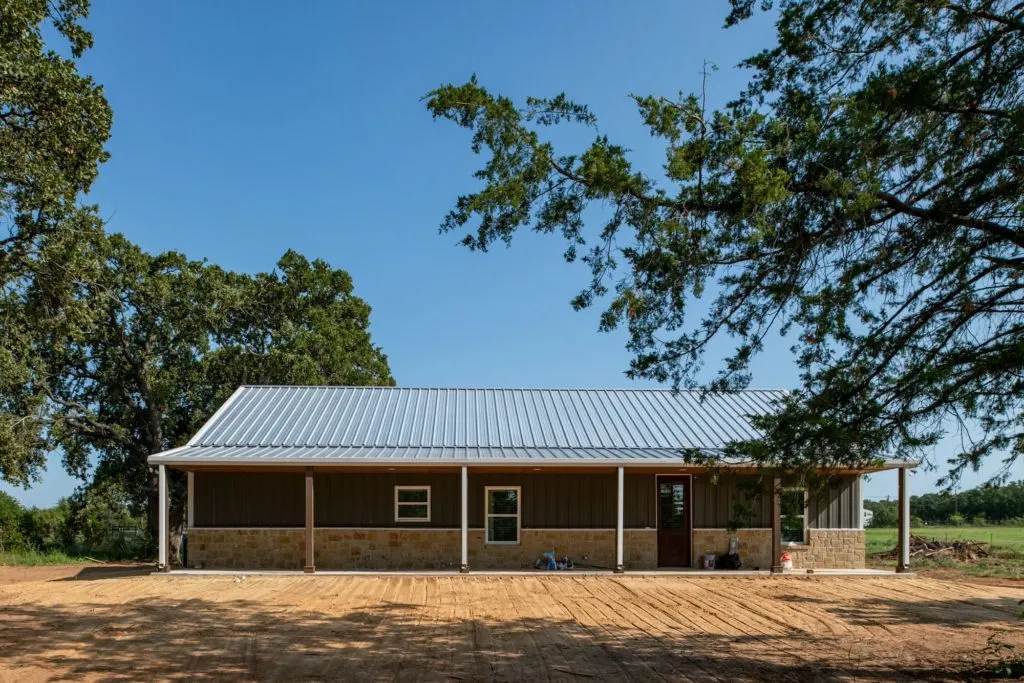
977 506
96 521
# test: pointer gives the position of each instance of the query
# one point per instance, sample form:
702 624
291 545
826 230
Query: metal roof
278 424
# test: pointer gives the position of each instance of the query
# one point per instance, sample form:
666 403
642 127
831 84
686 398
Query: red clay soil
500 628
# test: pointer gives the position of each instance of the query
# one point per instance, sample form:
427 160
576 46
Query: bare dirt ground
91 627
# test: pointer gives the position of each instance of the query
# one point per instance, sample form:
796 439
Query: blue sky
245 129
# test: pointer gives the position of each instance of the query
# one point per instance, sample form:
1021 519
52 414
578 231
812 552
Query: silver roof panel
367 417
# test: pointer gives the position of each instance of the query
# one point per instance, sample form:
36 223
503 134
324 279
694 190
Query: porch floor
533 572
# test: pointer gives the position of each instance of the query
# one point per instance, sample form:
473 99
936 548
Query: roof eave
173 458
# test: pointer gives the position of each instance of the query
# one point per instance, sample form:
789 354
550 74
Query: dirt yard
105 625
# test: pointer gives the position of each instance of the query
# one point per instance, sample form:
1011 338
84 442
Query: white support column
464 535
620 506
903 562
162 513
859 491
191 499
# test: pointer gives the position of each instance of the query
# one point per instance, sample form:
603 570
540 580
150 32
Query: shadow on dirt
104 572
252 640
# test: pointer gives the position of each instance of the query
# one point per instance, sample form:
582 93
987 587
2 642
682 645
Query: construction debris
923 548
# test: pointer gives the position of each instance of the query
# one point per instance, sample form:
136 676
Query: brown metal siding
249 499
714 503
551 501
368 499
835 507
641 501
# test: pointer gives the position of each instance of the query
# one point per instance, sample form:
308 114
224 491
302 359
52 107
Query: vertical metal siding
714 503
367 499
249 499
834 507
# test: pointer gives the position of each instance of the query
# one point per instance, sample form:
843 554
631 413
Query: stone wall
439 548
587 548
412 548
387 548
246 548
755 546
640 548
830 549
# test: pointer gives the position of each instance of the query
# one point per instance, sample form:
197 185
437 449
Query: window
794 508
502 512
412 503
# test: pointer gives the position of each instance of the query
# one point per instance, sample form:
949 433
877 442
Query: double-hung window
794 516
502 513
412 503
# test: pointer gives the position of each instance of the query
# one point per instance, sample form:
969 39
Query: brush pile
923 548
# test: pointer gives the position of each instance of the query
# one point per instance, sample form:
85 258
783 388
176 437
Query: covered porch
483 517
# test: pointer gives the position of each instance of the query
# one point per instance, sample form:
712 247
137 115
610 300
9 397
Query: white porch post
859 483
618 521
162 513
464 532
903 562
191 499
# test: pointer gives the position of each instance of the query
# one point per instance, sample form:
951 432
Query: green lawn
1000 537
1007 547
30 558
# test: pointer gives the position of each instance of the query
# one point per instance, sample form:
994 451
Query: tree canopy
863 195
108 352
54 123
161 341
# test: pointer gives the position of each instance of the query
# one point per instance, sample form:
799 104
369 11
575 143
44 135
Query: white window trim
398 506
518 515
802 516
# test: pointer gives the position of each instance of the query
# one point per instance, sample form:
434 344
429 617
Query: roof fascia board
163 459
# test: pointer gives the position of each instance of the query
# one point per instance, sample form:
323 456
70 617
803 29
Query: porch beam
619 507
464 530
776 525
309 567
162 513
903 561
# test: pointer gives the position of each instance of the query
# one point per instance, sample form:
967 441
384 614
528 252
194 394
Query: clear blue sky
245 129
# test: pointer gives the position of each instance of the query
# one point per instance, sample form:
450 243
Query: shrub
103 525
956 520
48 529
11 517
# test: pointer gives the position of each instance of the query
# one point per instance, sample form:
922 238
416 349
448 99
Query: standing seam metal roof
367 424
499 418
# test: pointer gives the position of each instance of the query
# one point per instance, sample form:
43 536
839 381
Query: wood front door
674 521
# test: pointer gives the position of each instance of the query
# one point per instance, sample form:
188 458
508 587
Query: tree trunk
153 510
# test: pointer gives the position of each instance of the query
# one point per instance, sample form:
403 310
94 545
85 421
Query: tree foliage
162 341
54 122
863 195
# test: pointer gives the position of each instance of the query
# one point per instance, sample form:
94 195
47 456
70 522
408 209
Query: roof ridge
428 388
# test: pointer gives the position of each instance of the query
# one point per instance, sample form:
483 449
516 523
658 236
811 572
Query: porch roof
424 456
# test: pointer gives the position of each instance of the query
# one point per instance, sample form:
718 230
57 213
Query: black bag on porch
728 561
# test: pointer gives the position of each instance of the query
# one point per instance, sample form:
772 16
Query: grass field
1000 537
1007 547
32 558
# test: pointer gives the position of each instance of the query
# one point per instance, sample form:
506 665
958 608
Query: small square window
412 503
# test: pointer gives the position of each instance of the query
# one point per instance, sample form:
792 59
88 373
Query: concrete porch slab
703 573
